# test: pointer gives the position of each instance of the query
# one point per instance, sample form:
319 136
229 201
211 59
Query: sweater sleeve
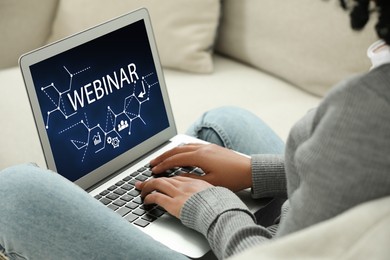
224 220
340 159
268 176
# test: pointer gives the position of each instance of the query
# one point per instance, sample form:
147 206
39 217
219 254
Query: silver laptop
102 112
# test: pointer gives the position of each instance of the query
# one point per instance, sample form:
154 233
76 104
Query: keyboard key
142 169
198 171
113 187
98 196
126 197
179 172
105 201
137 200
127 178
120 191
148 207
119 203
141 222
119 183
157 212
123 211
132 182
104 193
149 218
131 217
167 173
127 186
113 207
147 173
187 169
112 196
134 174
134 193
132 205
139 212
141 178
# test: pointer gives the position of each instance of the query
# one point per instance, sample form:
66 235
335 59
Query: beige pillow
24 26
306 42
184 29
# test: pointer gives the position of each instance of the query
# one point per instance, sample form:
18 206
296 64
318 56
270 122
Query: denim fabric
238 129
44 216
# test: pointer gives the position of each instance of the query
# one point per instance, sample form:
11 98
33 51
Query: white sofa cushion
359 233
278 103
279 37
184 29
25 25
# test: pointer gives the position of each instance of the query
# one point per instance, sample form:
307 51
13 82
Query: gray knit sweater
336 157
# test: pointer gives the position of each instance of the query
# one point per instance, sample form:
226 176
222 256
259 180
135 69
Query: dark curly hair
360 15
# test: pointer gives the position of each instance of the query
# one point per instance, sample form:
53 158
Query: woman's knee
19 183
18 173
218 124
238 129
14 176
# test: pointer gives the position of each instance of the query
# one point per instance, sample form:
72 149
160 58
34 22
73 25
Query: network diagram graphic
59 102
118 124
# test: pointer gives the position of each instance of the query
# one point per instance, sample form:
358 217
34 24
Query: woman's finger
177 160
164 201
162 185
177 150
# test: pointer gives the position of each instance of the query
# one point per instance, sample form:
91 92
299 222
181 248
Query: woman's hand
170 193
222 167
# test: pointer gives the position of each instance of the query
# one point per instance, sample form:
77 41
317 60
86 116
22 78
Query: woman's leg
237 129
44 216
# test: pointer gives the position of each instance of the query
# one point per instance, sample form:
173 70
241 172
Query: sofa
276 59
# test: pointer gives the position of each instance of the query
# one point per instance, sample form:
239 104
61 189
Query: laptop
102 112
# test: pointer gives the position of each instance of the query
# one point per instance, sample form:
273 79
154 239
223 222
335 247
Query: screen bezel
73 41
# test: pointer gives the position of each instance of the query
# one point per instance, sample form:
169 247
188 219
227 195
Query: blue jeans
44 216
237 129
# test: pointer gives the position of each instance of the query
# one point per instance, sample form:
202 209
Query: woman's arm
224 220
344 159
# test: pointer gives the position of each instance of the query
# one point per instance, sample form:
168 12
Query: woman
336 157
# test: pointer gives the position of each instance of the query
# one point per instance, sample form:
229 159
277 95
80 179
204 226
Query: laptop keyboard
125 200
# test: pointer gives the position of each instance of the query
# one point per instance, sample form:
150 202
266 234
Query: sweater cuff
268 176
202 209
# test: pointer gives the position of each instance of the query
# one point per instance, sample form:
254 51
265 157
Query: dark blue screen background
84 139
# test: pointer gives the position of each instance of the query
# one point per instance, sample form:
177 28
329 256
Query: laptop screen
99 99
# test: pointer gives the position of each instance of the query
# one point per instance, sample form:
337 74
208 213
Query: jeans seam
220 133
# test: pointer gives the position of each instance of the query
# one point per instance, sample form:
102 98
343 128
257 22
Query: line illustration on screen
59 104
117 123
